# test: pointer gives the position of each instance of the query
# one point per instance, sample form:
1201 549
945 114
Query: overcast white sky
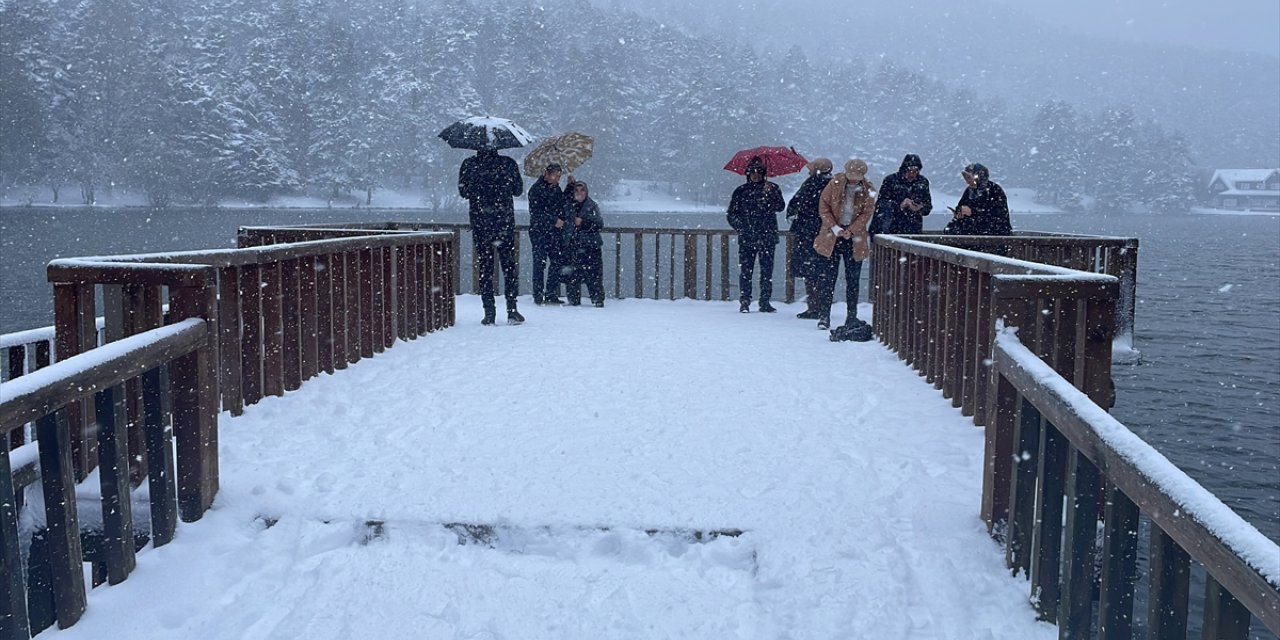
1234 25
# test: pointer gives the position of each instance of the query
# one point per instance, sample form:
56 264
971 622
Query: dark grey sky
1233 25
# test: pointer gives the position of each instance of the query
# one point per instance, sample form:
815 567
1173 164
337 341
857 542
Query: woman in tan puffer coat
846 207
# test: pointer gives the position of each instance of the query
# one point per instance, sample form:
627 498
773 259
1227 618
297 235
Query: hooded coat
990 208
587 235
890 217
805 223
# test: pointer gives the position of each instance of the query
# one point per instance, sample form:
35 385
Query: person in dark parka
546 203
581 223
753 214
802 211
489 181
983 209
903 201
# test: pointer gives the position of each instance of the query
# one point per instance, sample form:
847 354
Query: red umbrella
778 161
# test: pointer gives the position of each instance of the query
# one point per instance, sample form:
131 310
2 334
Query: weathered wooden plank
62 535
113 474
75 328
193 379
13 588
1170 592
324 314
290 325
1075 613
272 330
1119 566
1225 617
159 445
251 346
691 267
1046 542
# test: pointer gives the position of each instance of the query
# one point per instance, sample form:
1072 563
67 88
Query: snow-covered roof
1232 176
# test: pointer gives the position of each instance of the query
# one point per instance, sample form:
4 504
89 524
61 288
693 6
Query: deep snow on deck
590 443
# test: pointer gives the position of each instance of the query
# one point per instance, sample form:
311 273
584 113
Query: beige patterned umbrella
569 150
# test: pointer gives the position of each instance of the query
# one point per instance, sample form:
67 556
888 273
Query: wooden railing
1052 450
639 262
49 397
269 317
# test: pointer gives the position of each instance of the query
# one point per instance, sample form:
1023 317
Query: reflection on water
1206 393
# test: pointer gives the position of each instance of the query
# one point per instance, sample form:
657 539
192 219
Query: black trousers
748 254
588 269
843 252
502 247
547 263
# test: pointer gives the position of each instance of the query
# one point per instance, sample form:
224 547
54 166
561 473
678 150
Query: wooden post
338 308
691 266
193 379
65 559
1225 618
1170 591
1022 488
324 314
355 281
159 446
230 351
1075 614
290 325
113 473
251 355
272 330
13 588
706 274
76 329
724 266
307 294
370 288
388 295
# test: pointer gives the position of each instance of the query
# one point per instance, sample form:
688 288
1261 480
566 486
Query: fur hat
820 165
855 169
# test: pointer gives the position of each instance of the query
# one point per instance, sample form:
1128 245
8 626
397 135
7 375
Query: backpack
858 332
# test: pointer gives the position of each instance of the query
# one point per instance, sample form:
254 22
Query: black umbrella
479 132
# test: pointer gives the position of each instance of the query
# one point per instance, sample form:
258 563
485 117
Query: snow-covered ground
855 484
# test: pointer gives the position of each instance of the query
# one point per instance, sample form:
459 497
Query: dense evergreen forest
205 101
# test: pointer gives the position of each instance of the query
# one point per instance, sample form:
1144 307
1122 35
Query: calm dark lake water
1206 391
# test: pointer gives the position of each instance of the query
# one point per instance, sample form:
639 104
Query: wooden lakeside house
1245 189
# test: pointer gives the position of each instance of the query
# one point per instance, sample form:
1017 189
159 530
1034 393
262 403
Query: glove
836 229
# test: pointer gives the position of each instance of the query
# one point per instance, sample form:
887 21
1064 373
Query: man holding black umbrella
489 181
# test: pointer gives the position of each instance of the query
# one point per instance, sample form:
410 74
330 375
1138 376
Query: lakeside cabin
1245 189
114 420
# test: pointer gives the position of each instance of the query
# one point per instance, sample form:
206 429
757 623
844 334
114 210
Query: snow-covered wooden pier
357 457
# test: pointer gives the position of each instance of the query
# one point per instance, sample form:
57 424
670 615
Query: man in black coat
547 202
753 214
489 181
802 211
903 201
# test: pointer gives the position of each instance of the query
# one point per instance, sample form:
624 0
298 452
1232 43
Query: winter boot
765 307
810 297
851 319
489 316
824 322
514 317
745 307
